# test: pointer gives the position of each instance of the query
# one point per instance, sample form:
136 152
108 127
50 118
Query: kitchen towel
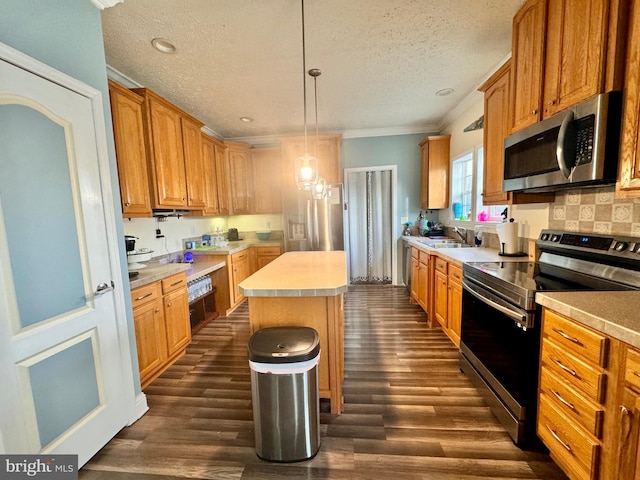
508 237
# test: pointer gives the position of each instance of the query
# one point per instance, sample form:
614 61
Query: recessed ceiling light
444 92
163 45
246 119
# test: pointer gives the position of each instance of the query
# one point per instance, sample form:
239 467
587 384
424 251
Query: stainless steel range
500 335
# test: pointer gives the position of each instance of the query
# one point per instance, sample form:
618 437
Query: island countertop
299 274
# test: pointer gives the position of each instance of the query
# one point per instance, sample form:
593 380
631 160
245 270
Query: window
466 190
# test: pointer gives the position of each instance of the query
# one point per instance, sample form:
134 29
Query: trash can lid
284 345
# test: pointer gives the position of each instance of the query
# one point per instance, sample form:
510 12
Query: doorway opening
370 196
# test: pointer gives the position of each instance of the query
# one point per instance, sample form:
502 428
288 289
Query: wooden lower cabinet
440 302
586 411
415 261
266 255
454 303
161 318
423 280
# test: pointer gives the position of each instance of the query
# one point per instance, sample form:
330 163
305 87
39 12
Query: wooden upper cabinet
222 178
563 52
528 41
128 131
210 176
496 127
326 148
576 52
434 192
629 184
266 165
165 142
193 163
241 178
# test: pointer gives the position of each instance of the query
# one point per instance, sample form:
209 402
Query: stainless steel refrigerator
312 224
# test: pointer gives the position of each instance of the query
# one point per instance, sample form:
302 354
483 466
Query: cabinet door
630 141
415 278
168 156
210 184
454 311
241 181
496 128
326 148
128 132
239 271
222 179
440 300
575 52
176 315
528 41
194 163
434 192
150 334
423 276
266 165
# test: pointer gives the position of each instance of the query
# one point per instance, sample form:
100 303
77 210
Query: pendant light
306 166
319 189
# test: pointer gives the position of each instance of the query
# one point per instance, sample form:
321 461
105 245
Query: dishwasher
406 257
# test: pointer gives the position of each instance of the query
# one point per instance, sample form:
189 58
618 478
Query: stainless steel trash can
284 389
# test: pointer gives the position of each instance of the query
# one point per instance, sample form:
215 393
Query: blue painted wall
67 35
402 151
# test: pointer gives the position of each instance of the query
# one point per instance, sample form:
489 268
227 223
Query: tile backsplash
595 210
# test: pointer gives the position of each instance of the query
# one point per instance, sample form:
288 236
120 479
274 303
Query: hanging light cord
304 82
315 102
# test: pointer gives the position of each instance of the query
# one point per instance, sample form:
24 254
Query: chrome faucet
462 233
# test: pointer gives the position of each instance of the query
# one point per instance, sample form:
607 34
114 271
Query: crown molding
121 78
212 133
469 100
102 4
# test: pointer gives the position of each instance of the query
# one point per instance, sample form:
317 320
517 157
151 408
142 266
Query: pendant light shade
306 166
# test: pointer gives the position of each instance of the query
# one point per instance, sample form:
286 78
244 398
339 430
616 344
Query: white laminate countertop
463 255
616 314
300 274
157 271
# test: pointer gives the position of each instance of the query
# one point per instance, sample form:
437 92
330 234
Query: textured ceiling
382 60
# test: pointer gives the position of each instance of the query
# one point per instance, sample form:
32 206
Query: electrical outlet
404 220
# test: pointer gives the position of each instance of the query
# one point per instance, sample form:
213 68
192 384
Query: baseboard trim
141 407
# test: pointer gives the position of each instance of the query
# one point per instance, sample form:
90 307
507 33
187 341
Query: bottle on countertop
407 229
420 223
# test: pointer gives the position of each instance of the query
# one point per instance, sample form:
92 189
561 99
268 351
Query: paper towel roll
508 237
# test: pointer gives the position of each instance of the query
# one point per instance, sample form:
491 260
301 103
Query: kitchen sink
449 245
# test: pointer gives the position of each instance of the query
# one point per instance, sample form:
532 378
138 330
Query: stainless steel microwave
574 148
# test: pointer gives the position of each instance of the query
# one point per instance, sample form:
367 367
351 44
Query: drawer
583 341
146 294
575 450
455 273
581 376
587 414
424 257
632 369
270 251
415 253
441 265
239 256
174 282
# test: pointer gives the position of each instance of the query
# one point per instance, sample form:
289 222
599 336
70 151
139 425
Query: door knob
103 288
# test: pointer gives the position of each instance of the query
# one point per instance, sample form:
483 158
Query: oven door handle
518 317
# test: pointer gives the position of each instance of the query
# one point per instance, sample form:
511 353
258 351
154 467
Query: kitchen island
306 289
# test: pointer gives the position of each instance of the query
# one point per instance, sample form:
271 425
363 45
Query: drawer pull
176 283
567 337
142 297
637 374
565 368
562 400
555 435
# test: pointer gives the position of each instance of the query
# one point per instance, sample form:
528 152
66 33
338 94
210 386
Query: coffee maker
130 243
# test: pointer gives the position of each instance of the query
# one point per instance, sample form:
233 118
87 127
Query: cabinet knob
625 410
552 102
534 112
157 310
127 204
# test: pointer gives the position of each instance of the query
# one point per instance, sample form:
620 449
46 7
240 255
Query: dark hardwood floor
409 413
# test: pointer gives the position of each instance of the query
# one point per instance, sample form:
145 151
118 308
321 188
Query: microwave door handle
562 147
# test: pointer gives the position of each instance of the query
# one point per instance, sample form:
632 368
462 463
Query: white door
62 376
